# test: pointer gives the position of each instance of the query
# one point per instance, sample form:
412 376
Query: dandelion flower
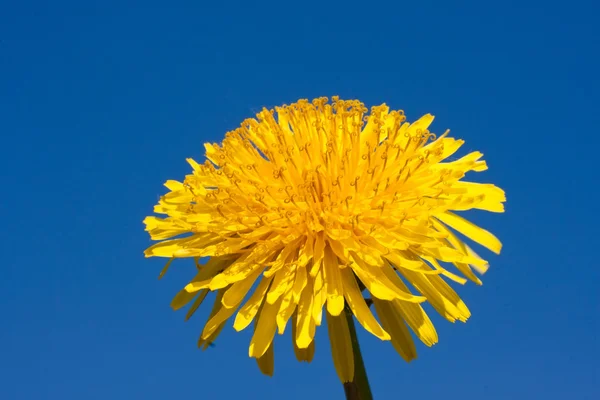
309 208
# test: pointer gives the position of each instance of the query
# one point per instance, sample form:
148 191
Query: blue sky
102 101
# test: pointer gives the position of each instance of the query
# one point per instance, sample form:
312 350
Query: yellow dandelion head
310 205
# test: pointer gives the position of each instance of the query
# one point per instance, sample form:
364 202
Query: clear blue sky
102 101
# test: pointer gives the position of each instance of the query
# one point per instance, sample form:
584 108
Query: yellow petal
481 268
266 363
265 330
250 270
333 283
174 185
422 124
400 260
390 241
379 284
167 248
181 299
217 319
165 268
471 231
197 245
247 263
450 295
305 329
308 247
207 272
359 306
320 296
460 246
368 277
284 256
416 318
318 248
393 322
248 311
218 282
215 309
196 304
178 197
452 255
302 354
441 149
341 346
288 305
371 134
281 282
193 164
314 267
444 271
236 292
440 295
165 228
338 250
300 282
205 342
493 196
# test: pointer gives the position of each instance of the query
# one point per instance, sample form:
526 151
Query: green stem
359 388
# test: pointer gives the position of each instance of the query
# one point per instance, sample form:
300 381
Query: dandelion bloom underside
307 206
